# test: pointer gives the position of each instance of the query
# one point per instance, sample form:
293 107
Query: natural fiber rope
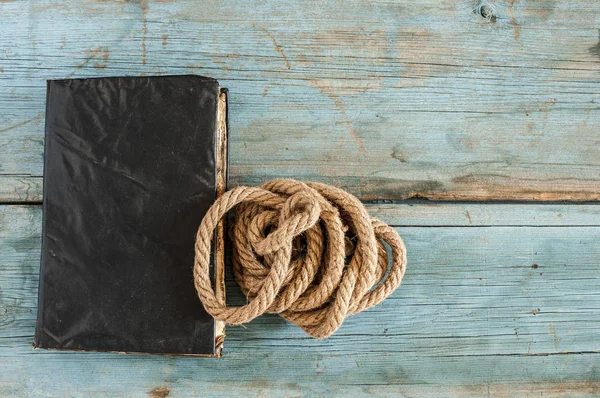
307 251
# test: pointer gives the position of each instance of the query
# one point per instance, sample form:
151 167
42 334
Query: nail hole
487 11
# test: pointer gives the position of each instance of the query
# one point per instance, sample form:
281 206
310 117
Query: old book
131 166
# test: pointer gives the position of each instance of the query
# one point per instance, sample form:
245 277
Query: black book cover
131 165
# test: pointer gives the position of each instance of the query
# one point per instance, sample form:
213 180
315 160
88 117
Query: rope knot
307 251
299 212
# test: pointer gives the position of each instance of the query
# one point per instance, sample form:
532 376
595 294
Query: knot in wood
306 251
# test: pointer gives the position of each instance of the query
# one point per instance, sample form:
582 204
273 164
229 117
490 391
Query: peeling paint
159 392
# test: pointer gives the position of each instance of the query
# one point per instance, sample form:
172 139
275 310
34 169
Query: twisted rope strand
307 251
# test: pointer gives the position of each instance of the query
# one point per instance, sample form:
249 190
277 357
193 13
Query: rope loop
307 251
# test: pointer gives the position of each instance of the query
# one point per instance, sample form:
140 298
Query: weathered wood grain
467 100
491 310
427 214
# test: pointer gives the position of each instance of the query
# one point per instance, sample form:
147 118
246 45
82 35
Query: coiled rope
309 252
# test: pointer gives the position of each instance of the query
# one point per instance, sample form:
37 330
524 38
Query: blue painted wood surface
388 99
448 100
485 308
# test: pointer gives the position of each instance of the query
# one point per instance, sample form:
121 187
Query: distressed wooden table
473 127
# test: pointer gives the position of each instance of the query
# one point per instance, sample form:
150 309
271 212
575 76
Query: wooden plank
441 100
482 215
490 310
20 188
